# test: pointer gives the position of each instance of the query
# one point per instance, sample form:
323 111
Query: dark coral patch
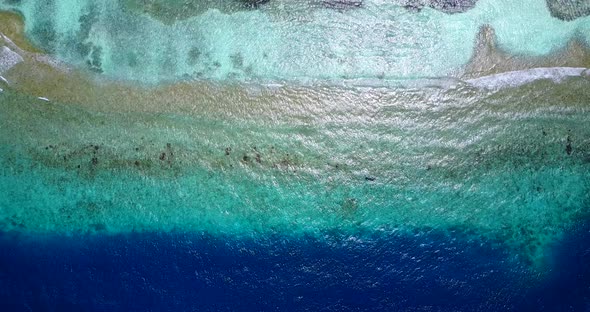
568 10
447 6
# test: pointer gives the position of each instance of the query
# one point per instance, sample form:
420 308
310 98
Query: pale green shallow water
285 39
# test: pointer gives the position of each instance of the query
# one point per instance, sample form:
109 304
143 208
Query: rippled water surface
301 40
294 155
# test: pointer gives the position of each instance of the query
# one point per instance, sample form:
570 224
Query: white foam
8 59
522 77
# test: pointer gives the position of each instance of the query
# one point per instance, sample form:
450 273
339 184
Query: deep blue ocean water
197 272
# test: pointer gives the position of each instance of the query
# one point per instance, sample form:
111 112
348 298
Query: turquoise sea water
352 148
498 164
152 41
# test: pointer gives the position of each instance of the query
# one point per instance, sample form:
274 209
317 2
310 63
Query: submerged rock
568 10
254 3
341 4
452 6
447 6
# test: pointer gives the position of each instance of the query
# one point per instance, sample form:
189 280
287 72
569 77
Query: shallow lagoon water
293 40
464 192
